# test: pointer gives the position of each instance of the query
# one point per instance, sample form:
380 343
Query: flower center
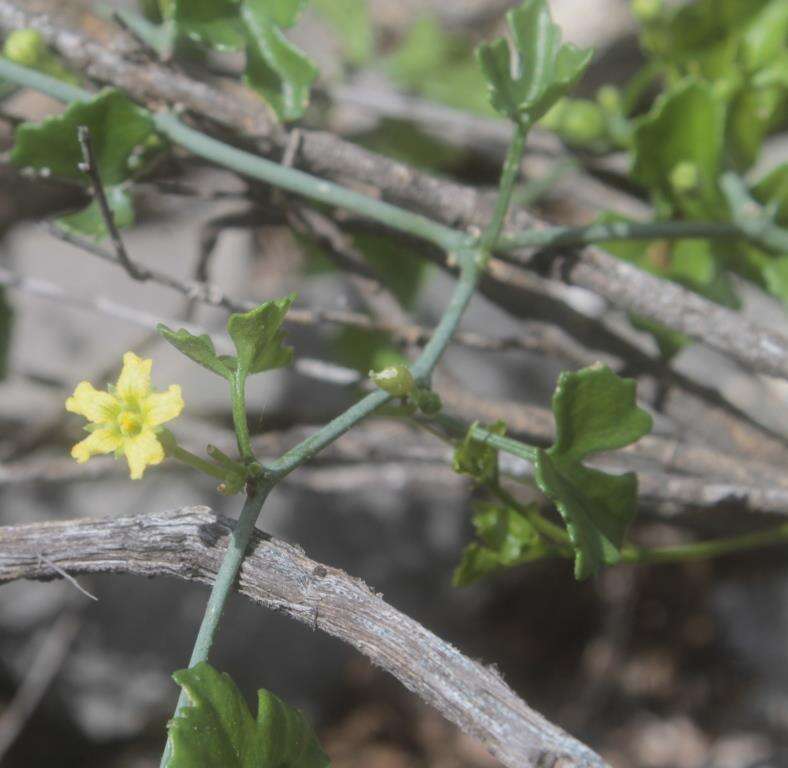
130 424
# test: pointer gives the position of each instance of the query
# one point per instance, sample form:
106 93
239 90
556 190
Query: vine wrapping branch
472 261
756 347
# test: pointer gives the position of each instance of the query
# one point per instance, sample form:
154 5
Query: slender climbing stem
257 167
472 261
469 276
222 587
459 428
308 186
160 38
238 397
552 531
701 550
398 218
509 175
471 266
302 453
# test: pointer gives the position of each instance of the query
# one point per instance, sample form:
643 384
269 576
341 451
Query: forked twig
89 166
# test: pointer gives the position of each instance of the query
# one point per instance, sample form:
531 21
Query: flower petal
134 380
163 406
142 450
94 405
99 441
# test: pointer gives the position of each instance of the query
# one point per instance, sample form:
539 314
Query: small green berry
609 98
583 122
684 176
25 47
397 380
646 10
427 401
553 118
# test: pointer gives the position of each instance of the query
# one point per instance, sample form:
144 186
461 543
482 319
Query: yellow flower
126 418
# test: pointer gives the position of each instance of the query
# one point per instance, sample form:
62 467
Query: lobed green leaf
121 133
526 79
476 458
275 68
507 539
211 22
594 411
89 221
217 729
258 337
197 348
678 150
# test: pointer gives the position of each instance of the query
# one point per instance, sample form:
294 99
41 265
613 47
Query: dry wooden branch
189 542
756 347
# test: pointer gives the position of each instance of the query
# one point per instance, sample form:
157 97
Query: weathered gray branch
189 543
756 347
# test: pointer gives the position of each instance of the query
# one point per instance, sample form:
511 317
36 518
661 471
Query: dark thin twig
538 336
89 166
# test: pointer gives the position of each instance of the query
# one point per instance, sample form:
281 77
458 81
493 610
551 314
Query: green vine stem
238 398
701 550
509 175
459 428
333 194
222 587
551 531
311 187
564 237
248 164
471 266
422 369
301 453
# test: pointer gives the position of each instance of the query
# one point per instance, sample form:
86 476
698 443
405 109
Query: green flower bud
427 401
609 98
646 10
25 47
397 380
684 177
554 116
583 122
